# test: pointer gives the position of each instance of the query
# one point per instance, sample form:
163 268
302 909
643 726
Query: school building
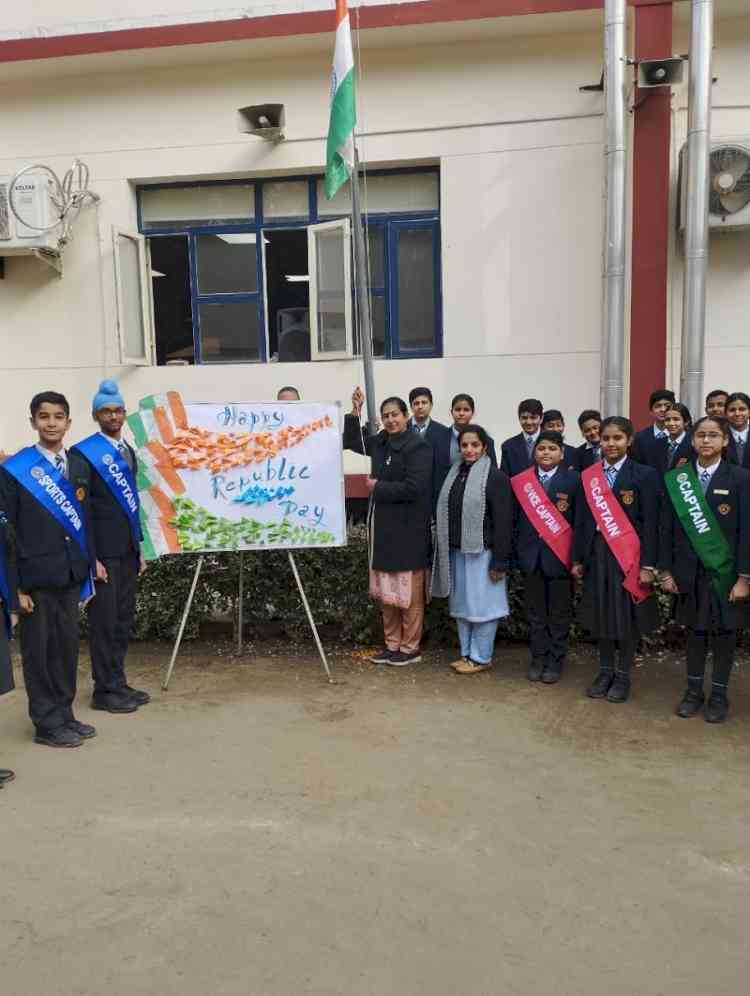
212 263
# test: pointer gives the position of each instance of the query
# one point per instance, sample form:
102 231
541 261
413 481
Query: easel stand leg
314 628
185 614
240 593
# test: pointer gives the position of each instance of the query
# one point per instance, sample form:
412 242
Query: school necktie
611 473
124 452
529 446
740 449
705 480
672 450
544 480
661 434
60 464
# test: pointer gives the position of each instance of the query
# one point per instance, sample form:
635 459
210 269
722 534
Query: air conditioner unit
729 179
32 201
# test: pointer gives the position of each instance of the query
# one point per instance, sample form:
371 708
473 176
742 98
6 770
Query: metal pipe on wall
697 198
613 332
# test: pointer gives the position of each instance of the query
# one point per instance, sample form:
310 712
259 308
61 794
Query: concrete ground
256 831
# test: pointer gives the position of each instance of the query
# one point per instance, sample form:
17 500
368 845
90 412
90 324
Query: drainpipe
613 332
697 196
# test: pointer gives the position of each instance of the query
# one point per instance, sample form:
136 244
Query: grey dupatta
472 522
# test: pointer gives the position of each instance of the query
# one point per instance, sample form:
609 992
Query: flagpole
364 317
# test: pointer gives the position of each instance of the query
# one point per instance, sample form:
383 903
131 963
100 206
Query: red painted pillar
651 220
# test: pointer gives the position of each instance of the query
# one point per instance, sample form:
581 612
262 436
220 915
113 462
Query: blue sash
52 490
5 594
106 460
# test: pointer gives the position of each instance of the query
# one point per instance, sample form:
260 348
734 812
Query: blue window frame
405 284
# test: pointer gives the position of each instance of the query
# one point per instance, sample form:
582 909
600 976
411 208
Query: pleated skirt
701 608
606 609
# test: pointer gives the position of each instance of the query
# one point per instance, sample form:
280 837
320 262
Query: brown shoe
472 667
458 663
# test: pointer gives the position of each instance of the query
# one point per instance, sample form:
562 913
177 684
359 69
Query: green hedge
336 585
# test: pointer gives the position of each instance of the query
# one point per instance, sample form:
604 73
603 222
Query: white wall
521 163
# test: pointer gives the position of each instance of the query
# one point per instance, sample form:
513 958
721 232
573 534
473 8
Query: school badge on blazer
562 502
627 497
682 461
724 509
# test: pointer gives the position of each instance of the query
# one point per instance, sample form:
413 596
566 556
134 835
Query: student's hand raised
358 400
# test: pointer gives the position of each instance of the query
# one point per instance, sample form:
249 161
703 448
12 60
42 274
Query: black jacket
637 489
570 457
497 527
112 536
435 435
531 552
8 555
683 454
401 501
649 450
728 496
514 457
45 556
732 452
585 457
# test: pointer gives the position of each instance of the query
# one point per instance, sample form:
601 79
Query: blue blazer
570 457
649 450
731 453
514 457
637 489
586 457
532 554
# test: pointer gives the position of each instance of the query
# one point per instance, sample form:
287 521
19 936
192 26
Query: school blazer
514 457
637 489
45 556
531 552
441 445
728 497
570 457
649 450
585 457
731 455
112 536
683 454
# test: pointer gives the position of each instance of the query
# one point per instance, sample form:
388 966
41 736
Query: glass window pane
198 205
133 332
416 288
390 192
229 331
331 281
173 315
286 200
227 263
376 246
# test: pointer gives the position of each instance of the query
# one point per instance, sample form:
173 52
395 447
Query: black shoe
6 775
620 689
692 703
401 659
140 697
382 656
61 737
536 669
114 703
717 709
552 674
601 685
84 730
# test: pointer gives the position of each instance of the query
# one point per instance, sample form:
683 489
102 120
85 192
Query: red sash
616 529
552 527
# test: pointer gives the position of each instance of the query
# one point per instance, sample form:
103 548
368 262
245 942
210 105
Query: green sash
701 527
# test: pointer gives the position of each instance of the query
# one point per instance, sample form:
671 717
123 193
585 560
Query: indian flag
340 148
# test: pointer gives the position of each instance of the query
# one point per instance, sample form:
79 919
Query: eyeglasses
712 436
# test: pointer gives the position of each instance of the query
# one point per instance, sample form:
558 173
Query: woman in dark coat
473 543
711 618
8 609
400 486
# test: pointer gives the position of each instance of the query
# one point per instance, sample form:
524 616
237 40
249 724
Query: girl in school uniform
712 590
678 423
617 515
8 610
738 417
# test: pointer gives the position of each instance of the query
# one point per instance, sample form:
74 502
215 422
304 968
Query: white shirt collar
741 437
617 466
679 439
49 455
549 473
111 439
658 431
708 470
531 438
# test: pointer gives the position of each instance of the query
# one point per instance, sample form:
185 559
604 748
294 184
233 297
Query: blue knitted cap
108 394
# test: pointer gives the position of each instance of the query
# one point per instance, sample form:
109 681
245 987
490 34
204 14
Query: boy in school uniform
8 619
553 421
738 417
650 444
590 424
716 403
678 423
548 586
517 453
45 494
117 537
433 432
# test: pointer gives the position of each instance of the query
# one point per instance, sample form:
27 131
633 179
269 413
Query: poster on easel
238 476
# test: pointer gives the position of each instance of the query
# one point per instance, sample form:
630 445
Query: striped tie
60 464
611 473
672 450
705 480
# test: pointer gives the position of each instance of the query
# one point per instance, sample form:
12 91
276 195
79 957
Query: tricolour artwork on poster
238 476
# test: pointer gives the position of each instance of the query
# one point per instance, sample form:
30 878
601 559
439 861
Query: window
263 269
133 310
